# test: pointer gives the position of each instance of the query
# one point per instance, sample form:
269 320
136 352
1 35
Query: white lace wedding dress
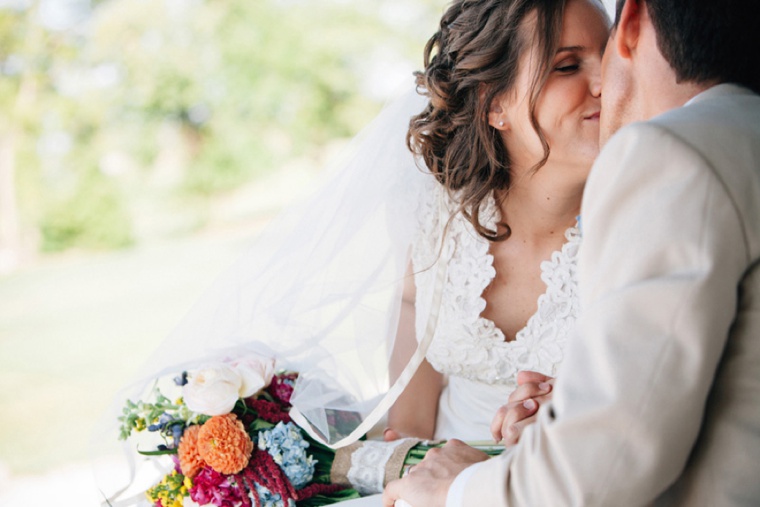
479 365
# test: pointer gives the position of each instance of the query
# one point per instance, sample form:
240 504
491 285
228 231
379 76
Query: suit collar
719 90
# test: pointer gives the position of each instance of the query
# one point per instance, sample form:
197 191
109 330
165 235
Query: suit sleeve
661 257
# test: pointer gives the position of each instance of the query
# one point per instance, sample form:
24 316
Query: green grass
72 332
74 329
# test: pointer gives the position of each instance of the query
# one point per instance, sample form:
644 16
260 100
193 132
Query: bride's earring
497 117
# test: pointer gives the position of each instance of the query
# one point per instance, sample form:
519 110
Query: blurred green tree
244 85
36 132
151 107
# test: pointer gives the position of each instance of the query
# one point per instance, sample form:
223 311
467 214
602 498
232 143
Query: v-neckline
556 257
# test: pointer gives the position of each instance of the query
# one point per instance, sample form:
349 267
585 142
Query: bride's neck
537 210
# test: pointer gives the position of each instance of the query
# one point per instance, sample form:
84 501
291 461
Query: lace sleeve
426 249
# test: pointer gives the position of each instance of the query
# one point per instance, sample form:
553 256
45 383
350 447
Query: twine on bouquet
369 465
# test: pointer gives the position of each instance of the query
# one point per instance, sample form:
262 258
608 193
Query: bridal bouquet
229 442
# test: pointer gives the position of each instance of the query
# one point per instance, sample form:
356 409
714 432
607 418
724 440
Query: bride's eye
566 67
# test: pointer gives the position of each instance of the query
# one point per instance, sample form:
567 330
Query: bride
509 134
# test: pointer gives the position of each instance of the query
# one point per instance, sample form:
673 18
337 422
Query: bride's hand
389 435
533 389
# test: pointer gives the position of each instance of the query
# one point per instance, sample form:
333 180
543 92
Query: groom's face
617 92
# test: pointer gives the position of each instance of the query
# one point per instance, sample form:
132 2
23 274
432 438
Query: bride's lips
593 116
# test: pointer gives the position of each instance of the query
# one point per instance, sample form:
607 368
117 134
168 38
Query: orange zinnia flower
190 461
224 444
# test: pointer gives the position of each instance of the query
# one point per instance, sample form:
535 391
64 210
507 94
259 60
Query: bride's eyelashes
567 67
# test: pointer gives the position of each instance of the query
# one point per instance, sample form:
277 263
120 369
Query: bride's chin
583 155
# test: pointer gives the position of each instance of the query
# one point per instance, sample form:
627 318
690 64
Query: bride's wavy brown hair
471 61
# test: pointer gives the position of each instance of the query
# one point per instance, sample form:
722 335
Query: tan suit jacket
658 401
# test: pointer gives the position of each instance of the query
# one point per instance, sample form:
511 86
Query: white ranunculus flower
213 389
256 372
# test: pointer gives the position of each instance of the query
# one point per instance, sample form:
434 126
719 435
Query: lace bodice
467 344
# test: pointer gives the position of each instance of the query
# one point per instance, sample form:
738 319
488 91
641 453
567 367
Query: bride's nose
595 85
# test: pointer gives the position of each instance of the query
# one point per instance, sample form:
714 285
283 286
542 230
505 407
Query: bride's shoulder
431 195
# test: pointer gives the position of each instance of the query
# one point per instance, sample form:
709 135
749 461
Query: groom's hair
707 40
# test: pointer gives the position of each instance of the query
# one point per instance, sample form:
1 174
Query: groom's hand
428 482
533 388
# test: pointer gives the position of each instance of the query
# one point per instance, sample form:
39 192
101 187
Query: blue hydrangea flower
268 499
288 449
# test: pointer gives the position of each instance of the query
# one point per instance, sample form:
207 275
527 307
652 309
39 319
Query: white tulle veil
320 290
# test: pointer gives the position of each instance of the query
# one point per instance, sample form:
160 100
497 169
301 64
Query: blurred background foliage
125 121
143 143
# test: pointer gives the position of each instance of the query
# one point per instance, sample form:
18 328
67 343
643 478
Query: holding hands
533 389
428 482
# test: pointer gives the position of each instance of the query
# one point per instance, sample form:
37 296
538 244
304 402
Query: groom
658 401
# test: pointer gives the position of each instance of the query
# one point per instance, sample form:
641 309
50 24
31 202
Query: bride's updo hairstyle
471 61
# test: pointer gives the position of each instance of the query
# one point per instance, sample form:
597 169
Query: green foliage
138 416
247 85
332 498
229 156
257 82
94 216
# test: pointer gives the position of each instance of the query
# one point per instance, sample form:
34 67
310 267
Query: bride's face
568 106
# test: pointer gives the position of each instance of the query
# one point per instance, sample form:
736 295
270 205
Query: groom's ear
628 28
